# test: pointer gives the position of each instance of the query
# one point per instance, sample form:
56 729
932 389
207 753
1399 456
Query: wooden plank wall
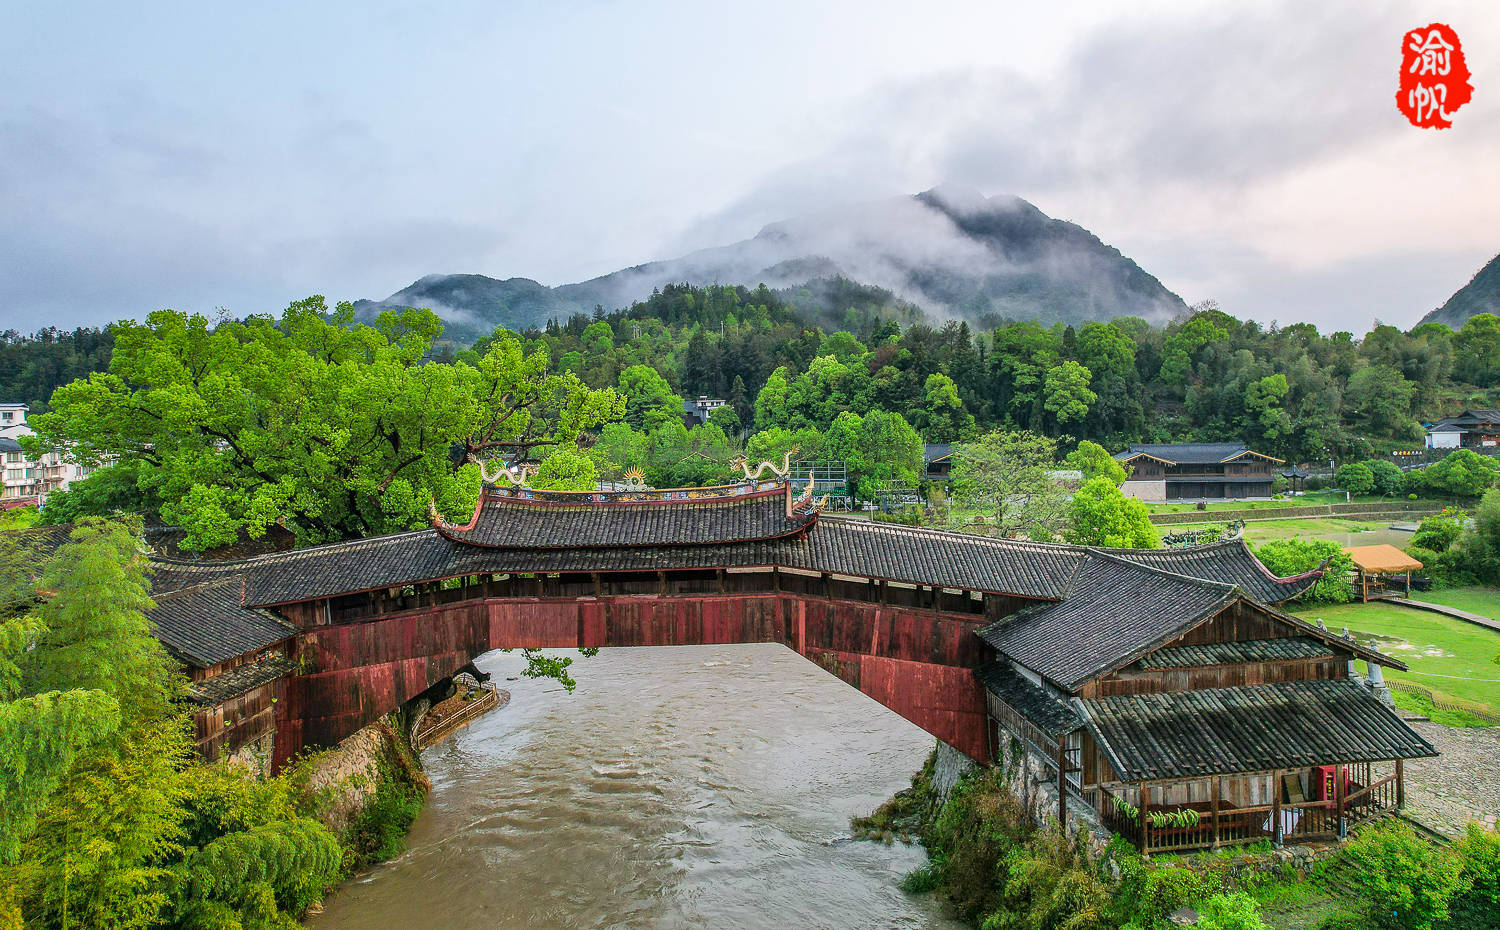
1173 680
1236 624
916 662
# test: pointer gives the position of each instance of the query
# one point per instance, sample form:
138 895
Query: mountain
1480 295
951 251
473 305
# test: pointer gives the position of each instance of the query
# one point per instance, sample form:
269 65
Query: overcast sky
195 155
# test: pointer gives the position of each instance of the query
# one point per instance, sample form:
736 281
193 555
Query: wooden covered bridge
1146 680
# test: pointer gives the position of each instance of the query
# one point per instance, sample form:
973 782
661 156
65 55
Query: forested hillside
1480 295
1293 392
951 251
33 366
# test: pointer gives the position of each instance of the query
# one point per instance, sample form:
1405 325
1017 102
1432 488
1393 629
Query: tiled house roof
1190 453
209 623
1028 699
507 522
1227 562
1253 729
1114 611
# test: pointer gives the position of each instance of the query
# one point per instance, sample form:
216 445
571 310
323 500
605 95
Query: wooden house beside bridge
1132 680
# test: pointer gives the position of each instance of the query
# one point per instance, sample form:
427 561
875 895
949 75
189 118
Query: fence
1477 710
436 730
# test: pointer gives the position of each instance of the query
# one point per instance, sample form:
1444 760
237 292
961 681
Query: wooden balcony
1221 823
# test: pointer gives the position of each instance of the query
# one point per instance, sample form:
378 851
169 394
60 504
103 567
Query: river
693 786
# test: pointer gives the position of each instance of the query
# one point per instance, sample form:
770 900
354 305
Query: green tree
1380 399
1462 473
1006 477
1107 350
1478 344
726 419
1356 478
566 469
337 429
1388 478
649 400
1287 557
1182 346
1101 515
943 416
617 449
1477 551
1266 419
1092 459
1068 394
99 856
92 625
889 452
1440 530
771 403
113 489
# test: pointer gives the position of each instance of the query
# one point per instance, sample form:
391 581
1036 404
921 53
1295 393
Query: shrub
1293 556
1356 478
1479 852
1407 883
924 878
1049 882
1427 557
1388 477
1440 530
1230 912
380 831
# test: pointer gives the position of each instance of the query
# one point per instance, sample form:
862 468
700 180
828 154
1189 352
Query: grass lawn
1448 657
1477 600
1311 498
1260 531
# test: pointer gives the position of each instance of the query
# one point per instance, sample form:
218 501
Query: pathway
1442 609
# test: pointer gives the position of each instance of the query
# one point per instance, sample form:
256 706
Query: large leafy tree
1101 515
1463 473
1095 462
1007 477
333 428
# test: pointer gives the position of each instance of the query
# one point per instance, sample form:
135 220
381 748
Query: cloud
1270 129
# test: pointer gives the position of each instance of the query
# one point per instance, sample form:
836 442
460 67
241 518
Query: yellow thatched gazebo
1375 562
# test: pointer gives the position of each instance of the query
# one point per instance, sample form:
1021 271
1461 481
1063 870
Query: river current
691 786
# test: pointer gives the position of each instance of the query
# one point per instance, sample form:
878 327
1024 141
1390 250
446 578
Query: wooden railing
1376 800
435 731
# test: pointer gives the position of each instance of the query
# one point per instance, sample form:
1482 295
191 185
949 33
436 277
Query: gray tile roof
1115 611
208 623
1186 453
1254 650
242 680
1287 725
1227 562
511 523
846 547
1028 699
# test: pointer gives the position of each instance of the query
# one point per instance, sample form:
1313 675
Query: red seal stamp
1434 77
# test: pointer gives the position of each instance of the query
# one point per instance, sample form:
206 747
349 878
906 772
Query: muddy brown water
694 786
